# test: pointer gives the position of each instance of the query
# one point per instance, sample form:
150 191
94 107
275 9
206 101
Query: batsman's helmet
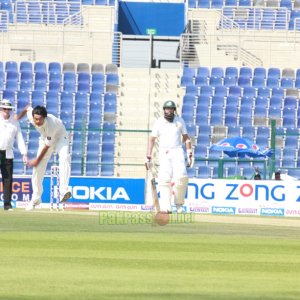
169 104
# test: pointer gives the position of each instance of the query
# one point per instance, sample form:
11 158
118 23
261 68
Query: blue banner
21 189
102 190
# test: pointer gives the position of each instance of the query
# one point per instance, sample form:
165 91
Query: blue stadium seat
244 81
12 86
188 71
187 108
204 172
186 80
192 90
290 102
258 82
69 77
98 87
263 92
231 71
260 72
23 97
249 91
12 76
110 98
54 86
54 67
204 4
274 73
83 87
217 72
37 98
107 170
40 67
276 101
67 119
261 101
235 91
232 101
277 91
286 83
201 80
230 120
84 77
81 101
189 99
221 91
245 72
55 77
203 72
26 66
272 82
53 98
217 4
69 87
52 107
231 3
98 78
274 112
215 81
11 66
217 101
108 137
286 3
67 98
230 81
248 132
206 90
193 3
234 131
245 120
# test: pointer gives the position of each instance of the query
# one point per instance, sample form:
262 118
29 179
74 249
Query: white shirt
169 133
9 131
52 129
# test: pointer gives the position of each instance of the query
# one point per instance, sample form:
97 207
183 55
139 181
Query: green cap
169 104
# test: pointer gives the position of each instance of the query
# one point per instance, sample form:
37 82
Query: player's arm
152 140
188 145
34 162
22 113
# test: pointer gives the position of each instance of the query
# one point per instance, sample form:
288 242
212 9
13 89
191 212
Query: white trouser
172 168
61 147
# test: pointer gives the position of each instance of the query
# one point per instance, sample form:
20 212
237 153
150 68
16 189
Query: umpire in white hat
10 130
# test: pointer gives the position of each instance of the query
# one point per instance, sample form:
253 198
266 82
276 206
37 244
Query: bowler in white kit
54 138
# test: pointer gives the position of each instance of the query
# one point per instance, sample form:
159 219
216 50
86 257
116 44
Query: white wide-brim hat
6 104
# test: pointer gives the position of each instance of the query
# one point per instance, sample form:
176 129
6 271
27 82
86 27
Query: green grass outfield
69 255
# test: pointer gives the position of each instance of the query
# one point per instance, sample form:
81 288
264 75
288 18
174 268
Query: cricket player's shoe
66 197
32 204
179 209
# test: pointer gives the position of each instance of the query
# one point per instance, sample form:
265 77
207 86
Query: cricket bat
155 203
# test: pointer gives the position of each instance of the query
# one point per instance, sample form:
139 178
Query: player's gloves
190 158
148 162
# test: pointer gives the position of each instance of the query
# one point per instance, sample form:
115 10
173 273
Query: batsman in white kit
54 138
171 131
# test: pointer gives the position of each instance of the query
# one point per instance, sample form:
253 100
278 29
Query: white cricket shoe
66 197
179 209
32 204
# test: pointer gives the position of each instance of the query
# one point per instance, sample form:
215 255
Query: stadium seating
66 95
244 110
